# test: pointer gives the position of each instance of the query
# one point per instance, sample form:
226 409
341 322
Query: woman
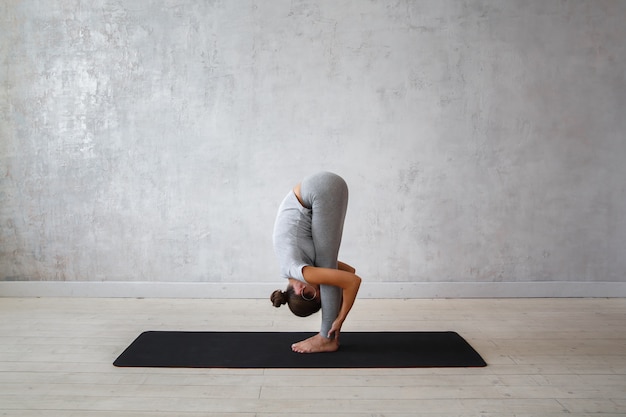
307 236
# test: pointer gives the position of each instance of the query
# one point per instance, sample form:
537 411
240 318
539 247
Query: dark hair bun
278 298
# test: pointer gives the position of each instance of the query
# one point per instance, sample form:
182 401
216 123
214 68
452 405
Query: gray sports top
293 241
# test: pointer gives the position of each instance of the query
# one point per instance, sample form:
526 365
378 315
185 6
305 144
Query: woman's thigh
327 196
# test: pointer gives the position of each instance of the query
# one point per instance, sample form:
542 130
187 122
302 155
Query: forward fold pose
307 236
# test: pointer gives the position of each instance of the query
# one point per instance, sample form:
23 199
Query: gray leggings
326 194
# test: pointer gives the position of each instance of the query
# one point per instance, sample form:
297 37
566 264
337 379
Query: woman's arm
347 281
346 267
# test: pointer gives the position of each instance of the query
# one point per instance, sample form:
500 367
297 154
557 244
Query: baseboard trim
106 289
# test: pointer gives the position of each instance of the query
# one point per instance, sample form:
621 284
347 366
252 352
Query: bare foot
316 344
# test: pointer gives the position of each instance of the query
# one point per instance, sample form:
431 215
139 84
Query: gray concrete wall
483 141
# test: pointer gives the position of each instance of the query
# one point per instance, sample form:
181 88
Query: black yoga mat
273 350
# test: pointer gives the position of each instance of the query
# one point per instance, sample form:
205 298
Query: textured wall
153 140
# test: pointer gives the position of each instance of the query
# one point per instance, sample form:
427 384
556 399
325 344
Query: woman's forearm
347 281
349 296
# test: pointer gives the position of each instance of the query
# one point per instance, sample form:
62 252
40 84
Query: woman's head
302 301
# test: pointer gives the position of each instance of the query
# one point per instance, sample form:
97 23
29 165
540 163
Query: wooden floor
546 357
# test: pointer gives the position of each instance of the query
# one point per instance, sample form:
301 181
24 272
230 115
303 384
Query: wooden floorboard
546 357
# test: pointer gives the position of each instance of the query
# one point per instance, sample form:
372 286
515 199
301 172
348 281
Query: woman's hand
335 330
